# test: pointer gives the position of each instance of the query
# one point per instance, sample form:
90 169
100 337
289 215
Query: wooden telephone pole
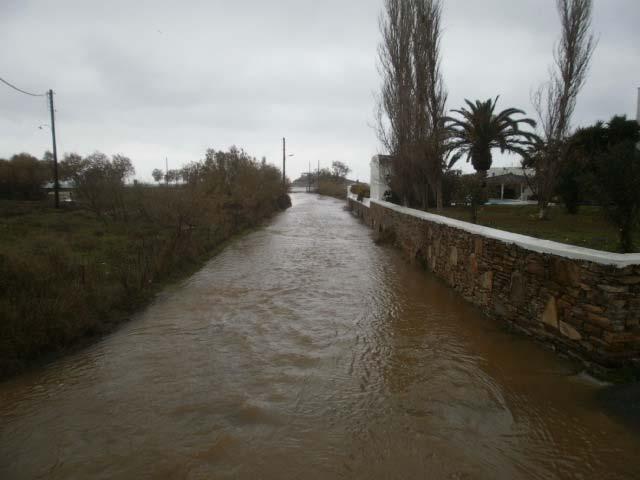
56 181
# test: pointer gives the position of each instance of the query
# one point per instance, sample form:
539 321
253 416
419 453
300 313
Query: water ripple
306 351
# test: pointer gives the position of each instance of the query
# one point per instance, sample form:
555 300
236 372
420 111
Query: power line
52 110
22 91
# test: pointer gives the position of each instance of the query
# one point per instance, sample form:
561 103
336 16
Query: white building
509 183
380 169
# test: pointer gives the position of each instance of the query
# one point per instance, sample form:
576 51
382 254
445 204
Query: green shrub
618 185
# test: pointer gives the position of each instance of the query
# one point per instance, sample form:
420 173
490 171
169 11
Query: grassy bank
587 229
71 274
66 276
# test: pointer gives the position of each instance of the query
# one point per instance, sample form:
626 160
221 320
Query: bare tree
100 182
394 109
412 100
555 100
430 99
340 170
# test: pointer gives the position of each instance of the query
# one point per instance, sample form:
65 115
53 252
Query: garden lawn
589 228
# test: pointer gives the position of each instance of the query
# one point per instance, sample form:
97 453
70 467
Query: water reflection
305 351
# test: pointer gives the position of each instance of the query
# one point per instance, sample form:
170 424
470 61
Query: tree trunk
543 209
474 211
478 194
439 204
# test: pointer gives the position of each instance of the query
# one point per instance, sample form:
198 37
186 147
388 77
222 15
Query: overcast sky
156 79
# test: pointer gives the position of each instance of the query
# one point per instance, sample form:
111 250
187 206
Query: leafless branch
555 100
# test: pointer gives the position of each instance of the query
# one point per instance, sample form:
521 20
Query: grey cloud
157 78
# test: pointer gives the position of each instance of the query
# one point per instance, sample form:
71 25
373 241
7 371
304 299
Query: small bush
471 191
284 201
362 190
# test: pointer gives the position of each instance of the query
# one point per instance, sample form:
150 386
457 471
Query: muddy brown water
306 351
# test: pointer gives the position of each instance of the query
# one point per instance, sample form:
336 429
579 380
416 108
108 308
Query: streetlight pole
284 161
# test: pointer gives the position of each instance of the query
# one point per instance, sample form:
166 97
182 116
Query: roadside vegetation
597 166
333 182
361 190
71 273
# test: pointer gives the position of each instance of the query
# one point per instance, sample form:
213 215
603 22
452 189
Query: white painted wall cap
537 245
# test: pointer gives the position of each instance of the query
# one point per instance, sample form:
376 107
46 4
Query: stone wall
582 301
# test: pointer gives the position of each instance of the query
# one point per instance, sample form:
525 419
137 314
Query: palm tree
478 131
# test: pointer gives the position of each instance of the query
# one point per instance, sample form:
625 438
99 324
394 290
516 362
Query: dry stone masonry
581 301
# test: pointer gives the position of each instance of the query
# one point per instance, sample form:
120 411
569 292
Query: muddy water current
306 351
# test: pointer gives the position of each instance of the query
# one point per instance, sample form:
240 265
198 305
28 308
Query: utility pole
284 161
638 116
166 170
56 181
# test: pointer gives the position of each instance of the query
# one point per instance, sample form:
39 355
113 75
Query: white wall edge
620 260
352 196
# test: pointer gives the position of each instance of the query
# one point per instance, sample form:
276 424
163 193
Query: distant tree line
230 181
22 176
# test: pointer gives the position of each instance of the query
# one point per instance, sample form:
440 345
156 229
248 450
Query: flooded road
306 351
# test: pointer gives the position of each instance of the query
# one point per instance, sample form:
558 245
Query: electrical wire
20 90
